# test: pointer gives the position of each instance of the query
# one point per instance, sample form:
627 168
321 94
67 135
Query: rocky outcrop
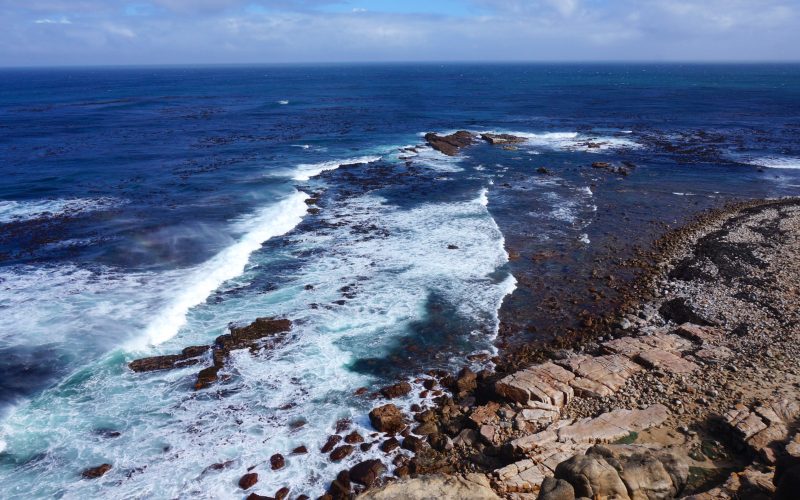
502 139
187 357
450 144
765 427
471 486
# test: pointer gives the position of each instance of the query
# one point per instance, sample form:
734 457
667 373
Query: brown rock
354 438
277 461
396 390
499 139
341 452
449 144
390 445
367 472
387 418
282 493
248 480
256 496
330 443
186 358
96 472
413 444
300 450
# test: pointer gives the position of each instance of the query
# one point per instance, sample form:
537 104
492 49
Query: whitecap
23 210
783 162
306 171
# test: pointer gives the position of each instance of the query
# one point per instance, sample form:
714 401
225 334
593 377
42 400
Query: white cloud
62 20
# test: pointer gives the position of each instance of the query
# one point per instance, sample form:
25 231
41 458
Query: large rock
387 418
437 487
556 489
765 427
601 375
592 477
396 390
367 472
450 144
679 311
647 473
96 472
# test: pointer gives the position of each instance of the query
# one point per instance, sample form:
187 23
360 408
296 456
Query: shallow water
145 210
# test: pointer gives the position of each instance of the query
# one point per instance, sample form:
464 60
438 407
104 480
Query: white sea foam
784 162
284 102
17 211
269 222
395 269
483 198
571 141
305 171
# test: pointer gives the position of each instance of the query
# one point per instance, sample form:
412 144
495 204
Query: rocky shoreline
690 390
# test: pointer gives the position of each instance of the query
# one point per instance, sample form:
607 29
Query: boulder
341 452
440 487
592 477
277 461
679 311
466 382
546 383
396 390
556 489
248 480
387 418
647 473
367 472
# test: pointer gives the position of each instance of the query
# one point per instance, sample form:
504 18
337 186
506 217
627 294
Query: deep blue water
143 210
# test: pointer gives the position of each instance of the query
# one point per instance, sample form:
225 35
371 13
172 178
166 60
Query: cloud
240 31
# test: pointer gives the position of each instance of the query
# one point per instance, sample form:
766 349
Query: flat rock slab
666 361
764 427
602 375
547 383
525 476
473 486
613 426
631 346
701 334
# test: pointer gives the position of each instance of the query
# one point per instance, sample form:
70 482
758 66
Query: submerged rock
248 480
186 358
96 472
495 139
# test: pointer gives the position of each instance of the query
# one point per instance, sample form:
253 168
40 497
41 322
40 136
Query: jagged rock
96 472
614 425
340 488
556 489
484 414
331 443
354 438
396 390
679 311
764 427
390 445
466 382
750 484
387 418
546 383
467 437
367 472
449 144
187 357
440 487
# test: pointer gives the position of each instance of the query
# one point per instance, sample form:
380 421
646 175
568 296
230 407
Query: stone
556 489
700 334
440 487
396 390
467 437
413 444
659 359
530 442
387 418
300 450
282 493
647 473
96 472
390 445
601 375
341 452
330 443
525 476
354 438
248 480
679 311
277 461
485 414
367 472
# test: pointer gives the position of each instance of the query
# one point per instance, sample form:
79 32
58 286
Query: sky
118 32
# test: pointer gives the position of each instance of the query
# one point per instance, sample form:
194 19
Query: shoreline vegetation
687 389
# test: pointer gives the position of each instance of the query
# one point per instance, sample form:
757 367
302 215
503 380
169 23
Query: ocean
147 209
